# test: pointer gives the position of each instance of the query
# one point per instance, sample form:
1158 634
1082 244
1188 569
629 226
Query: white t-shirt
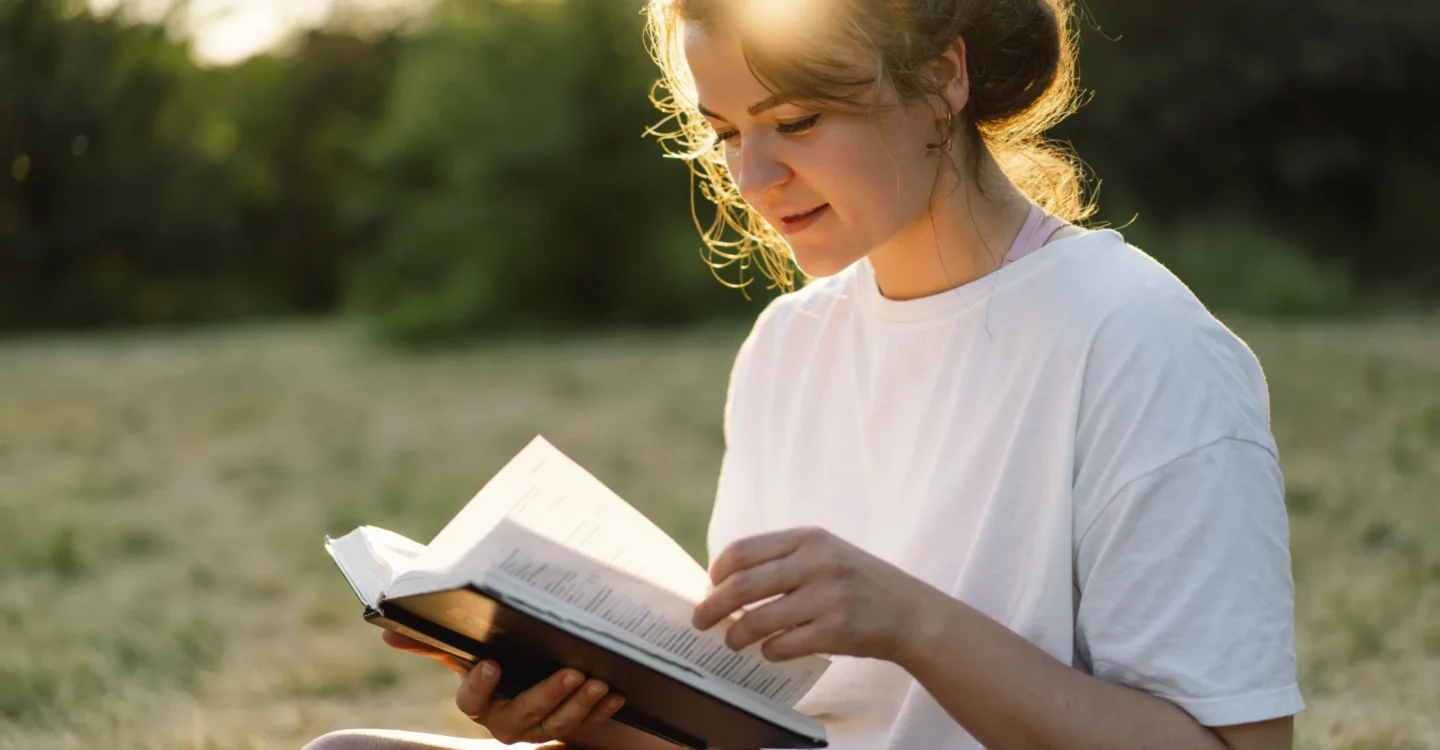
1072 445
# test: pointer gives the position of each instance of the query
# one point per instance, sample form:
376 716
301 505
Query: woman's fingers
748 586
519 720
410 645
474 696
406 643
804 640
573 713
752 551
456 664
605 710
564 702
776 616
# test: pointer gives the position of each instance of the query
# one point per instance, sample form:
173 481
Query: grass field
163 498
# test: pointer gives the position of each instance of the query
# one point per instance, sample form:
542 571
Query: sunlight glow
241 33
779 20
227 31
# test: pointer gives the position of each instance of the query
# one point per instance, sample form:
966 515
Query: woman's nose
760 170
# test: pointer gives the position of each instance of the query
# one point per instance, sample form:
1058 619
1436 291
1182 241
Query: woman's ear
951 77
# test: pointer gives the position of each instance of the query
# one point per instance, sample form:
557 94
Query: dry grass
162 500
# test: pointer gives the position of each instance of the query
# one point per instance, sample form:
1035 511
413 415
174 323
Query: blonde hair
1020 56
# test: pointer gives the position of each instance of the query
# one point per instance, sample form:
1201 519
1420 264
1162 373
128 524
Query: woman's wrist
934 618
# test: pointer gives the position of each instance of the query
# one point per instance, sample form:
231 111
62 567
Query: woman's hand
834 598
564 704
453 663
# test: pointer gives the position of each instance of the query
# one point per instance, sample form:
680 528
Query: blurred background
271 269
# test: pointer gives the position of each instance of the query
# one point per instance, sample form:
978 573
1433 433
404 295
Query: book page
654 619
371 558
546 492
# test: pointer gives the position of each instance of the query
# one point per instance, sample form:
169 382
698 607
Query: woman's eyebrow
754 109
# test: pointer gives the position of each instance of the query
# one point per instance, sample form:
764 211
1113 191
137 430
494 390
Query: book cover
547 568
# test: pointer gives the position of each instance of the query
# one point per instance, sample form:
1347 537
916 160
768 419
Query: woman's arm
1008 693
835 598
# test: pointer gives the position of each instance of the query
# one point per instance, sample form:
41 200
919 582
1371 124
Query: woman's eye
799 125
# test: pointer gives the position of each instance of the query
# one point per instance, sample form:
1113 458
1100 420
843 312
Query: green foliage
300 121
513 183
1236 266
1305 118
486 171
140 188
28 692
56 551
90 122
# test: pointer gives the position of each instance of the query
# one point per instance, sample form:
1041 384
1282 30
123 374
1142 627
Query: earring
944 144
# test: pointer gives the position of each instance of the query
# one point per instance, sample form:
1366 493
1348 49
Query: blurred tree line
138 187
486 170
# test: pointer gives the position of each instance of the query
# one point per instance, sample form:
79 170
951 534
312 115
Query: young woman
1009 472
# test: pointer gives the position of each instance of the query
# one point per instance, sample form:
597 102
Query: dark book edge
522 673
519 674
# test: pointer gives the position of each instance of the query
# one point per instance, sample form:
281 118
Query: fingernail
487 670
617 702
597 689
572 680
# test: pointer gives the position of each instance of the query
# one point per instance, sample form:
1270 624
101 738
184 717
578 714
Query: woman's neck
963 237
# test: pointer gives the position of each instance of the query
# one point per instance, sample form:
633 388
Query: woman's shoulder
1133 333
1089 276
805 311
1129 299
784 326
1156 358
1097 288
1091 299
1156 376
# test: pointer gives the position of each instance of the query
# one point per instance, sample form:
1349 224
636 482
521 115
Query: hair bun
1013 53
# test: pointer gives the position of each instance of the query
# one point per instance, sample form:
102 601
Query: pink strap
1038 228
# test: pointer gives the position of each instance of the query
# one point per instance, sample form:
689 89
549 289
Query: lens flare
779 21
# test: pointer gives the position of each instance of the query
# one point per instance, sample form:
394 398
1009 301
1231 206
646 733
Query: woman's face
836 185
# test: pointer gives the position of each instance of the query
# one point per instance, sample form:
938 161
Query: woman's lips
795 223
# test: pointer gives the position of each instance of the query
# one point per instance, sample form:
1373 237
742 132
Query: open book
546 567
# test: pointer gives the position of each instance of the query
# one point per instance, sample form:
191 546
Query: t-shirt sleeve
1186 591
734 492
736 489
1182 559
